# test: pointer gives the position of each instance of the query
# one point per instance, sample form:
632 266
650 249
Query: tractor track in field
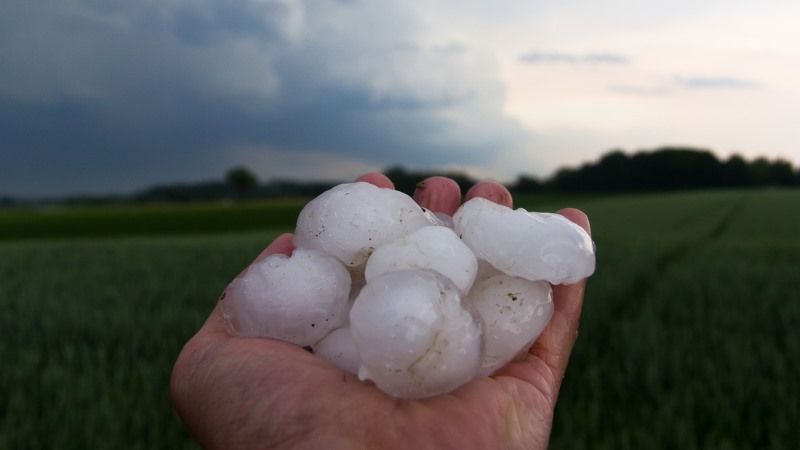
647 277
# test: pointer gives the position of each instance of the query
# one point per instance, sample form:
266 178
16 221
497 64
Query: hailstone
513 312
435 248
339 348
298 299
414 336
351 220
534 246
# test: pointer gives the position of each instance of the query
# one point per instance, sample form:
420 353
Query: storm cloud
113 95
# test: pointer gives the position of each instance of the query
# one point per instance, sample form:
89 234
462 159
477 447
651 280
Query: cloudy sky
114 95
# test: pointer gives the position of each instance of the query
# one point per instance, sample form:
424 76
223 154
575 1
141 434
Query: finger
439 194
555 343
490 190
578 217
282 244
378 179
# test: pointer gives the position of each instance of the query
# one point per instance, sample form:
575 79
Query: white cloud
715 82
556 57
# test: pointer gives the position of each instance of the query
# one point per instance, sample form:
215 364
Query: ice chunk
298 299
339 348
414 336
513 312
535 246
351 220
434 248
438 218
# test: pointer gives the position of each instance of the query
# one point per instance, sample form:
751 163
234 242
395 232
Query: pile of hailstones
419 303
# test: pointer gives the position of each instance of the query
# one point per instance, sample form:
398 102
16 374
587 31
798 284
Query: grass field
689 338
146 220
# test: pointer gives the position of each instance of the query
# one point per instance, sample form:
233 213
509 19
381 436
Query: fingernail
421 195
491 190
439 194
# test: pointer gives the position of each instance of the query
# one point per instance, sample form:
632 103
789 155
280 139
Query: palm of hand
255 393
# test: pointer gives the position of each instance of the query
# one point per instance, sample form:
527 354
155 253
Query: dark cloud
717 82
113 95
539 57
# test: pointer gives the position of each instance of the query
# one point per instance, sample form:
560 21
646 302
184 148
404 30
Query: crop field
690 337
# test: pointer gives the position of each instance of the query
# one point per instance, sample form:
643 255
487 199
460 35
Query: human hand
245 393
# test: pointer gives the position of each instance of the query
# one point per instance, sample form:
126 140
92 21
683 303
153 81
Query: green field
689 338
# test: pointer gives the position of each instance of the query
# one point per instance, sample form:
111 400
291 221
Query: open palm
243 393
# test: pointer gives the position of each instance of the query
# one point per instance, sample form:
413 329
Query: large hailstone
535 246
351 220
339 348
298 299
513 312
414 336
435 248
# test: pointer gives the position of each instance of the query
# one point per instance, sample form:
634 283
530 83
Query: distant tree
242 180
403 180
569 180
781 173
526 184
406 181
663 169
764 172
758 171
613 171
736 172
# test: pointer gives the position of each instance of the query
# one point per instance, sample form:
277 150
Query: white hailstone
298 299
513 312
415 338
351 220
340 349
433 248
438 218
535 246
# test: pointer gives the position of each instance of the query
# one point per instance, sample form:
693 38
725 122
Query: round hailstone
351 220
340 349
513 312
433 248
535 246
298 299
415 338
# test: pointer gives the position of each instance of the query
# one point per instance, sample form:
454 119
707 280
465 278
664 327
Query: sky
110 96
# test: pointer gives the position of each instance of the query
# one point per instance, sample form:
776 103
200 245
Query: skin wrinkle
513 426
512 409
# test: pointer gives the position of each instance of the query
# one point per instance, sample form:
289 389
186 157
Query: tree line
671 168
663 169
